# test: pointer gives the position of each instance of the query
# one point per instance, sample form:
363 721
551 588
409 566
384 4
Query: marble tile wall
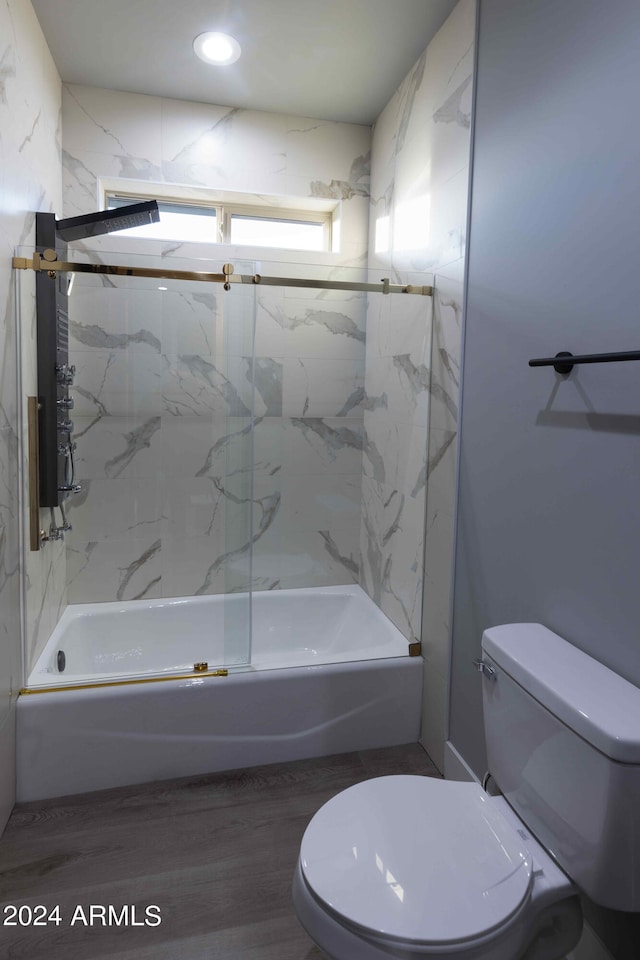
110 134
419 174
312 455
30 180
167 380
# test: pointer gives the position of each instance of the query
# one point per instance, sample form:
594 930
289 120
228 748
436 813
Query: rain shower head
106 221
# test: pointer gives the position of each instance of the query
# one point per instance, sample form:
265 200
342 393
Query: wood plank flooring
216 854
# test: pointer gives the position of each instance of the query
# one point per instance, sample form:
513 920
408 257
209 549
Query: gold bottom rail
29 691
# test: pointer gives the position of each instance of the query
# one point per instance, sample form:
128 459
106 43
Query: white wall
548 509
30 180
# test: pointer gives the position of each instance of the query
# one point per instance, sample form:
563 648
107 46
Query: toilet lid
418 859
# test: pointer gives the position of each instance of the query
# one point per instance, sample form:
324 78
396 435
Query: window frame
226 209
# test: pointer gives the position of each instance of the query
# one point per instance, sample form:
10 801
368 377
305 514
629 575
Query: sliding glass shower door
237 437
163 424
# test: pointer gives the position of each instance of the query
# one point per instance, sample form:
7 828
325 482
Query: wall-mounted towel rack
562 364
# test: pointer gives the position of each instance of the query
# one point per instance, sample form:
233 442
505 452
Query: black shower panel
55 376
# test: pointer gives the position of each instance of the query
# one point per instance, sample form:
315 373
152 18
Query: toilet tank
563 746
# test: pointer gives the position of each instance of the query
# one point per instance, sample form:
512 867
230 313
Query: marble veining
337 189
267 511
440 392
183 166
29 136
81 555
7 555
421 481
174 452
204 146
30 219
357 184
420 150
138 168
197 385
371 403
7 71
171 393
41 603
451 110
353 401
92 120
92 335
390 561
334 322
334 438
132 569
265 374
349 563
374 457
394 526
94 401
221 445
30 100
83 178
410 91
136 440
450 364
439 451
361 168
417 376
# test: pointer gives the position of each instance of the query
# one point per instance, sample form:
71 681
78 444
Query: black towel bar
564 362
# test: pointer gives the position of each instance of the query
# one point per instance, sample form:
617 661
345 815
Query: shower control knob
66 403
65 374
64 449
70 488
65 426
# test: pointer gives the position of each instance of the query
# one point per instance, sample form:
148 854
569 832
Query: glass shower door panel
163 415
235 451
308 459
340 460
208 428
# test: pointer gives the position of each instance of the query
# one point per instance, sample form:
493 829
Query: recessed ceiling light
218 48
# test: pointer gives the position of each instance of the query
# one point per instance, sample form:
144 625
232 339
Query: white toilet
412 867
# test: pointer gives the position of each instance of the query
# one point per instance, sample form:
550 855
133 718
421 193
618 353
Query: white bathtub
329 673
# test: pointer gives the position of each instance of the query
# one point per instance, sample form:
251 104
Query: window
178 221
276 232
220 222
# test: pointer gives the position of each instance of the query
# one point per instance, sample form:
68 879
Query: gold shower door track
47 262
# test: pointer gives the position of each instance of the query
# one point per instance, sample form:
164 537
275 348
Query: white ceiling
331 59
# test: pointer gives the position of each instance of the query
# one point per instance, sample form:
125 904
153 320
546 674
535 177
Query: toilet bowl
375 879
414 867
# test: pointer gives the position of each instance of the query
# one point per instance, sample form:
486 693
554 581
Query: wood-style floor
216 854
